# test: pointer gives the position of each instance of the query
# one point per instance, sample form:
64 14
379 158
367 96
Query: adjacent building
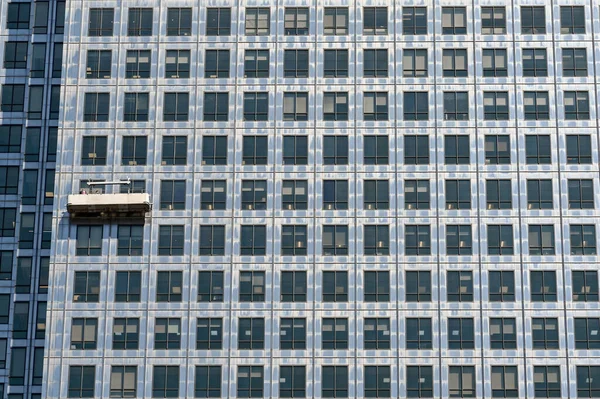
31 34
326 199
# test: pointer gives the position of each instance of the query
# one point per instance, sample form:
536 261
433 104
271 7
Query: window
179 21
459 286
256 64
454 20
177 64
18 15
461 381
207 382
537 149
218 21
81 381
256 106
40 18
10 139
293 240
214 150
176 107
417 240
495 63
96 107
501 286
217 63
210 286
335 106
18 359
544 333
174 150
99 64
93 150
335 194
414 20
167 333
461 333
212 240
59 23
134 150
335 333
579 149
503 333
216 107
376 149
574 62
376 286
8 217
13 98
376 240
294 195
293 286
572 20
135 108
376 194
497 149
292 381
295 150
457 150
135 186
498 194
454 63
375 63
4 308
376 333
414 63
535 62
253 240
296 21
335 21
172 195
543 286
101 22
138 64
36 100
213 195
209 333
458 194
250 381
493 20
335 63
586 333
258 21
252 286
418 286
169 286
456 106
295 63
140 22
295 106
418 333
292 334
375 20
581 193
128 286
254 194
20 320
416 106
419 381
89 240
251 333
500 240
583 239
15 55
335 286
536 105
577 105
130 240
533 20
9 180
541 240
585 285
416 150
38 367
335 240
495 106
123 381
165 382
334 382
335 150
504 382
416 194
23 283
547 381
84 333
6 265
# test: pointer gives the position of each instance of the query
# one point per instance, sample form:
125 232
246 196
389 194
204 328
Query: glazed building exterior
322 199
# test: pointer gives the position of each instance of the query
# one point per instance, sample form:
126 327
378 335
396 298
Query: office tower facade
31 35
323 199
